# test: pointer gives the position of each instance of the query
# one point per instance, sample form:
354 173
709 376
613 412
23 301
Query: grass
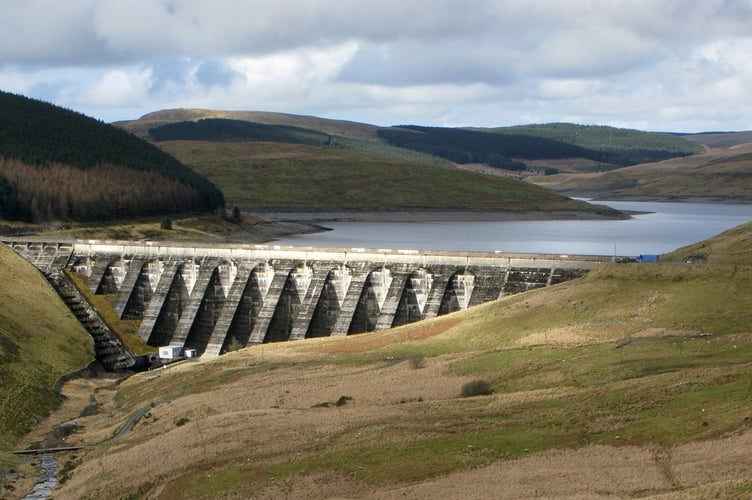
619 389
125 329
185 227
661 394
40 341
653 356
306 177
715 174
604 138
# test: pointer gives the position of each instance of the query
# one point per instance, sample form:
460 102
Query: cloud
216 73
663 63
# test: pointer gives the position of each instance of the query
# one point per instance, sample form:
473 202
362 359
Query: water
666 227
47 482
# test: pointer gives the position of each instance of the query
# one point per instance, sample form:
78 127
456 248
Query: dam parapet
214 298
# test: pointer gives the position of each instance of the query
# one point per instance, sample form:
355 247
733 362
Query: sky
667 65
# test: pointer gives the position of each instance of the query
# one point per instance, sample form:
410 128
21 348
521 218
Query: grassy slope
40 341
342 128
633 357
188 227
713 174
604 138
306 177
720 139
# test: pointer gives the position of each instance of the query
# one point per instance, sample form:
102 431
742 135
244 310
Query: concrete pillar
130 280
229 309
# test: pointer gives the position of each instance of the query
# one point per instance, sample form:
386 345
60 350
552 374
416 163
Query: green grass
272 175
184 227
40 341
650 355
719 174
125 329
604 138
620 389
658 392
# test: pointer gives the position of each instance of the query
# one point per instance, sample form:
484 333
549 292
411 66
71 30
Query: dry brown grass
235 436
697 470
631 382
364 343
713 173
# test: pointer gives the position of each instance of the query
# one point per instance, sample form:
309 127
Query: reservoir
658 228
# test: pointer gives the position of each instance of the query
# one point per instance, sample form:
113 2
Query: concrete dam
219 297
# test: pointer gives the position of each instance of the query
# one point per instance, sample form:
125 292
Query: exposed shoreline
283 223
318 217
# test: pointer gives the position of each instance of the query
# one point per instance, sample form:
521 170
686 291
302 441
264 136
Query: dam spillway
219 297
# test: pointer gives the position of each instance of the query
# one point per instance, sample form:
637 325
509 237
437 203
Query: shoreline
315 218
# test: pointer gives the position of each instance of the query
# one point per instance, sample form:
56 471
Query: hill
329 152
40 341
312 163
720 139
615 146
512 148
633 381
59 164
717 174
609 147
275 175
341 128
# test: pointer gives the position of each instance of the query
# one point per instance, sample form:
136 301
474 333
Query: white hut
170 351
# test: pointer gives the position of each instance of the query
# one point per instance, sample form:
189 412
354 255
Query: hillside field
632 381
261 175
40 341
716 174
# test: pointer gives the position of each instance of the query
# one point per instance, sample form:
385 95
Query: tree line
509 147
58 191
469 146
47 137
228 130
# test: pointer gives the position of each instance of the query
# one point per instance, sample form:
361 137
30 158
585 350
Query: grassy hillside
547 145
633 381
227 130
40 341
341 128
261 175
594 147
470 146
616 146
720 139
599 152
58 164
715 174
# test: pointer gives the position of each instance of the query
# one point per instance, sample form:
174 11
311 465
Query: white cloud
659 64
118 88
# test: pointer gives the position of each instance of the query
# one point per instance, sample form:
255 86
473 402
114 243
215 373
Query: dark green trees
59 164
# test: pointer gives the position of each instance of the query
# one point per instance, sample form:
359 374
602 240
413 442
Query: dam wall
219 297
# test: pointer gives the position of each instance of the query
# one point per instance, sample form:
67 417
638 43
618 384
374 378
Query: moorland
632 381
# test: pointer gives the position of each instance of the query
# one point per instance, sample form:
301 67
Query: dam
213 298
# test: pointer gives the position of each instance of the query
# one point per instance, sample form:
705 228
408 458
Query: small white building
170 351
190 353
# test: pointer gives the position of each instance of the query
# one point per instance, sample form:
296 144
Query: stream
47 481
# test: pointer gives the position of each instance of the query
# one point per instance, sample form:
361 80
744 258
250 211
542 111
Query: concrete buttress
218 297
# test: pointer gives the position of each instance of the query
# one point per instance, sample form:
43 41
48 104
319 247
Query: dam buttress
219 297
